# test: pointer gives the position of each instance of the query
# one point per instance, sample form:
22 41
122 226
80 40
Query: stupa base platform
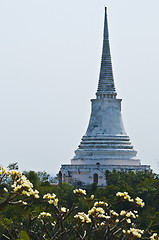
84 175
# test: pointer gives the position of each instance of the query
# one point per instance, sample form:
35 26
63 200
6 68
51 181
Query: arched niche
95 178
64 177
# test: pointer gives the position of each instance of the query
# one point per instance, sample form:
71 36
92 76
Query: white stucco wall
105 117
85 173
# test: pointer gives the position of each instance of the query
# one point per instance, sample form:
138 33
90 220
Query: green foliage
12 166
33 178
142 184
24 236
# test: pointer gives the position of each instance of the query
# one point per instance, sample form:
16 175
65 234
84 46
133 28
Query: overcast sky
50 55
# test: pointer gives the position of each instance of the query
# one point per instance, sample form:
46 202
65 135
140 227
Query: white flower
92 197
153 237
125 196
44 214
128 220
114 213
139 201
80 191
63 209
5 189
123 212
100 203
83 217
136 232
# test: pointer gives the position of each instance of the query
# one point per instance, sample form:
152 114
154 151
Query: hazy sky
50 55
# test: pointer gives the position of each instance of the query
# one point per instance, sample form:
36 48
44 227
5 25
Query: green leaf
24 236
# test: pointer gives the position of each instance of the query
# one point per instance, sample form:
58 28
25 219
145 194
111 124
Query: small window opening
95 178
64 177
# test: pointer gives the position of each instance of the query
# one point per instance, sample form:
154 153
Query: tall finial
106 34
106 87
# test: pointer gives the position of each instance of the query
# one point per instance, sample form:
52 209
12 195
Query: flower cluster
102 216
84 218
154 236
100 204
3 171
80 191
136 232
22 185
92 197
98 212
139 202
5 189
64 210
43 215
114 213
129 213
103 219
51 198
125 196
122 213
14 174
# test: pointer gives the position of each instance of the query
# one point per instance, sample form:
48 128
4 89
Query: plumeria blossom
114 213
53 224
100 204
84 218
136 232
3 171
130 214
5 189
92 197
128 220
125 196
96 211
123 212
15 174
101 224
64 210
139 202
103 216
51 198
44 215
20 185
79 191
154 236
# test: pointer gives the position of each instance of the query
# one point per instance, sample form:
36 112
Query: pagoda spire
106 87
105 145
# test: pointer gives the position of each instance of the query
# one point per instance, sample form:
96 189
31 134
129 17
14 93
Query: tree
46 217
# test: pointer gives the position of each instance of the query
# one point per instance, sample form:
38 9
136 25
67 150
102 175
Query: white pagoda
105 146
